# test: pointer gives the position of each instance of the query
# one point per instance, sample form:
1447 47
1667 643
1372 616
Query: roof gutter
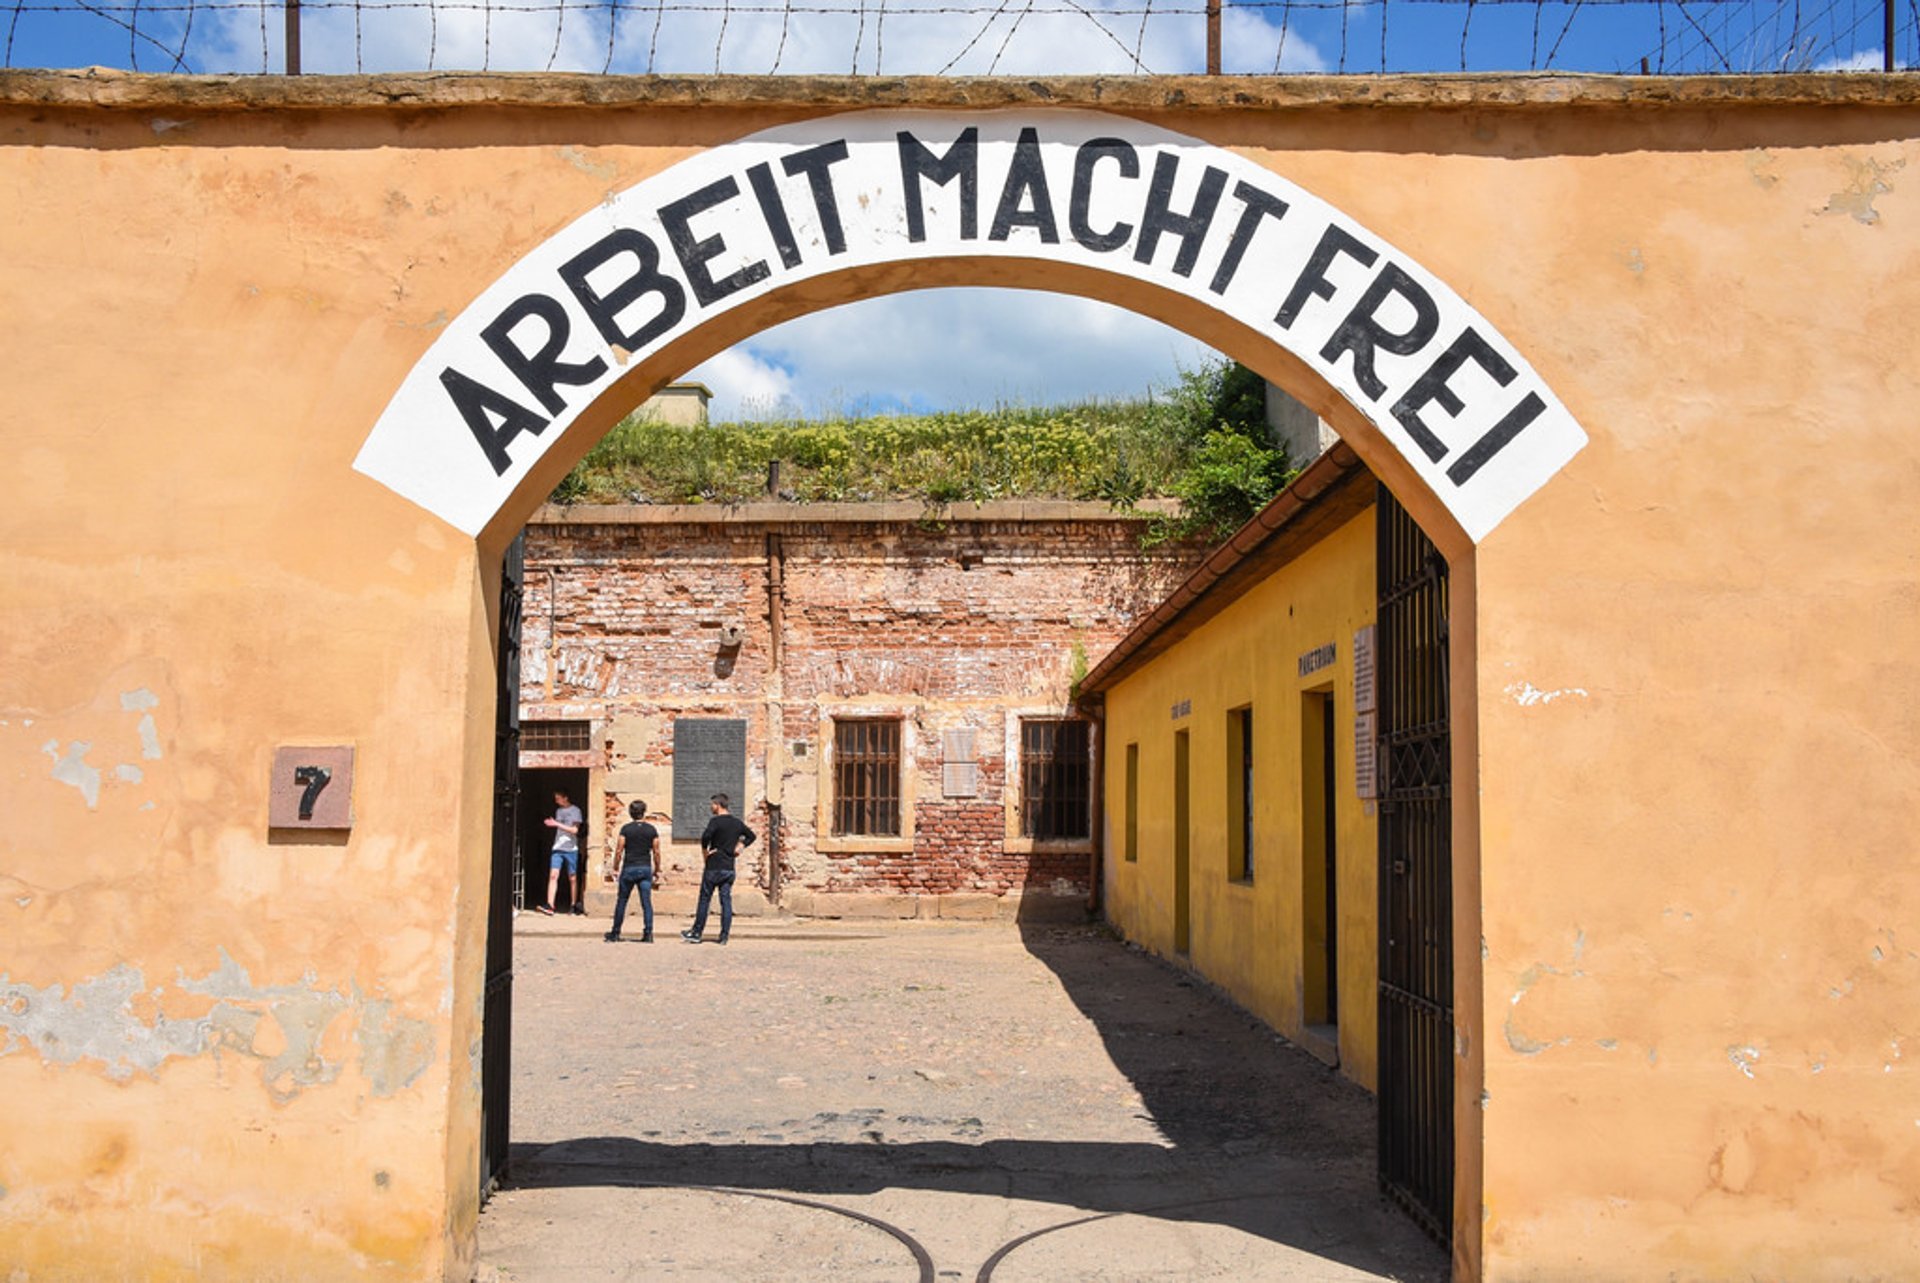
1315 480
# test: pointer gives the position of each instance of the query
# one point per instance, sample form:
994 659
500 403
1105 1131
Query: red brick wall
947 626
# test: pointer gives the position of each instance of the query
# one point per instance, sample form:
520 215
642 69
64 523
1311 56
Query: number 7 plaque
312 788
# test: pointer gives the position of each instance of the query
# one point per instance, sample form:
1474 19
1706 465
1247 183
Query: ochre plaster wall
1247 936
1692 702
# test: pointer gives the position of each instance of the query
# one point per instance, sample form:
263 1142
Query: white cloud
1861 60
746 385
949 348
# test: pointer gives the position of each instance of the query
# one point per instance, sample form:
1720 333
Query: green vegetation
1203 442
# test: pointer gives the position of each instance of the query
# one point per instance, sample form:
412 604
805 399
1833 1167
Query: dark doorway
537 787
1319 863
1416 873
1182 849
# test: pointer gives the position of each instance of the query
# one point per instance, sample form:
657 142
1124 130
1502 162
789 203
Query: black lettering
478 405
1191 227
540 372
695 253
604 309
1313 278
774 211
1026 180
1432 386
816 163
1257 205
1361 333
1530 408
1080 200
962 161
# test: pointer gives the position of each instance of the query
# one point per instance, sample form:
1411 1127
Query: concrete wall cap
99 87
898 512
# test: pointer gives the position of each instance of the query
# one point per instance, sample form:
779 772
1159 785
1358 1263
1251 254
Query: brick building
889 696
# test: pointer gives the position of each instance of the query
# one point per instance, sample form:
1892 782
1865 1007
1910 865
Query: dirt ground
918 1101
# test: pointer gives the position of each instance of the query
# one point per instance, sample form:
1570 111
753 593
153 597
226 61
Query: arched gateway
1683 630
1014 197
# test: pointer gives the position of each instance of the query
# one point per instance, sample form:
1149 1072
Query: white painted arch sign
652 263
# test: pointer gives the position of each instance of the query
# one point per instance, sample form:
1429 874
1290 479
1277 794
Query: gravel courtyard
918 1101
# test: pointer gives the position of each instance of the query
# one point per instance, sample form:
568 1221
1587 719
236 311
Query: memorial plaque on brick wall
709 756
960 769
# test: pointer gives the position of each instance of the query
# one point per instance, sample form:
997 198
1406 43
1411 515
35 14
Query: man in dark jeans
634 863
721 842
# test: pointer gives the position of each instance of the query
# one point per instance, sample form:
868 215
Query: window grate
556 737
866 777
1054 780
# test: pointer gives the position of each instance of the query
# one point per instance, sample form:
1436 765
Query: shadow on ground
1258 1136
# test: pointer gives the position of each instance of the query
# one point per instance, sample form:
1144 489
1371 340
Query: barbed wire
964 37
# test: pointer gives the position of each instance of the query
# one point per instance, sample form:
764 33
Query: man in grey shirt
565 823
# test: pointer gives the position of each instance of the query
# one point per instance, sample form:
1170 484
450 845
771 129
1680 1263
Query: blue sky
927 36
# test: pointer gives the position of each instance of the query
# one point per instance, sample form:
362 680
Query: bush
1204 441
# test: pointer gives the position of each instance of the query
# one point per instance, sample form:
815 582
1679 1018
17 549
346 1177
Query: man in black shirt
721 842
634 864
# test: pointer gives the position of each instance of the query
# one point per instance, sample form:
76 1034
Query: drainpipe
776 721
773 853
1097 710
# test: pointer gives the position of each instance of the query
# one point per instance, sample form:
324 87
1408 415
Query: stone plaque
709 756
1366 765
1363 670
311 788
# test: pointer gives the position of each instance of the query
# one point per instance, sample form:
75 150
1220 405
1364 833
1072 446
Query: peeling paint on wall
1526 694
394 1050
143 701
1868 182
282 1026
71 768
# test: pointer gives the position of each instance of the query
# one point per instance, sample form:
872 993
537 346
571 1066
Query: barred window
866 777
556 737
1055 780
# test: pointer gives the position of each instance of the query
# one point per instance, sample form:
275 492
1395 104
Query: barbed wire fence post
1654 37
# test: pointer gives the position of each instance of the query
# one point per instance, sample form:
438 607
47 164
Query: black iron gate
496 1032
1416 873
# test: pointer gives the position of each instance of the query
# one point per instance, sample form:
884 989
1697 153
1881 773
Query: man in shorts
565 823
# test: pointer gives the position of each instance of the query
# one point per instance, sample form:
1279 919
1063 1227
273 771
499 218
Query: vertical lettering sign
654 263
1366 726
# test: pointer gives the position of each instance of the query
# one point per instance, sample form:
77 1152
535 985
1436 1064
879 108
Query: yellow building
1238 837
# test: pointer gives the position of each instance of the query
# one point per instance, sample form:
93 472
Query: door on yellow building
1182 870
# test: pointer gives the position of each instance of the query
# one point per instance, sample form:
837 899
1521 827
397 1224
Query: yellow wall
1685 680
1247 935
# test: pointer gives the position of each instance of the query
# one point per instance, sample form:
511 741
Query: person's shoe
646 937
611 938
721 940
689 937
580 909
545 909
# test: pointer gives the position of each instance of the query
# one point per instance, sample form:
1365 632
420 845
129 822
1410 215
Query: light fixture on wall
730 638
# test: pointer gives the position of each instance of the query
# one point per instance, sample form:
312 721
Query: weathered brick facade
969 623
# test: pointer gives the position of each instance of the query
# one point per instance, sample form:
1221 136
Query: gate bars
496 1030
1416 873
